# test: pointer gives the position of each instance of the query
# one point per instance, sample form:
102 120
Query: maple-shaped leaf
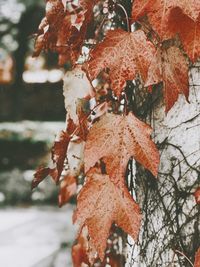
197 258
197 195
41 173
170 66
125 54
115 139
188 30
158 12
63 30
59 151
68 188
76 86
100 204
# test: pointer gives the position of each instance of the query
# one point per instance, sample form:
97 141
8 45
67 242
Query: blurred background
34 232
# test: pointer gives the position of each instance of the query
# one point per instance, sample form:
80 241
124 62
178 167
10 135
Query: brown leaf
188 30
115 139
59 152
169 66
124 54
101 203
41 173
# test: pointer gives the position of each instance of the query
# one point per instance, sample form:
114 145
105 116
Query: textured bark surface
171 215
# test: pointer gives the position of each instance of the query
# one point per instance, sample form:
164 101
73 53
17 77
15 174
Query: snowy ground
36 237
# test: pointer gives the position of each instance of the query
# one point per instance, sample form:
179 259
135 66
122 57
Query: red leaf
117 138
169 66
41 174
124 54
58 30
189 32
101 203
59 152
68 189
80 250
197 259
197 195
158 12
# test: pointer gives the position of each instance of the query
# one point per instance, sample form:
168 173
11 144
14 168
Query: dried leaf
101 203
68 188
169 66
115 139
59 152
41 173
124 54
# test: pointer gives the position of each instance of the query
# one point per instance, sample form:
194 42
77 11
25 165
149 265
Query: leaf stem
182 254
127 19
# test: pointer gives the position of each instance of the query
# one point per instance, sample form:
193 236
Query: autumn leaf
189 32
59 151
124 54
115 139
197 259
100 204
63 30
76 86
170 66
197 195
41 173
68 188
159 11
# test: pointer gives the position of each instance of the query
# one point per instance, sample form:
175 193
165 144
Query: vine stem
127 19
182 254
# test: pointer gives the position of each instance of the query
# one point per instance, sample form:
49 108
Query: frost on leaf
100 204
169 66
115 139
197 259
124 54
189 32
159 11
76 86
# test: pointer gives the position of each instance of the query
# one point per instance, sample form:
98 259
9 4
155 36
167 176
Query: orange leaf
158 12
169 66
101 203
197 259
115 139
124 54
